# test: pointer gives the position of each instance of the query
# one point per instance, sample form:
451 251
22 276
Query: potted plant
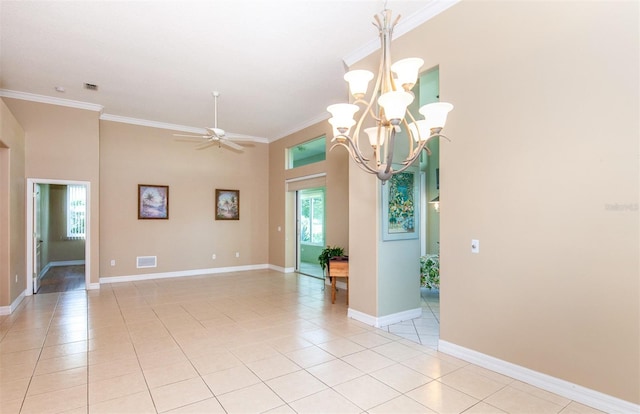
430 271
327 253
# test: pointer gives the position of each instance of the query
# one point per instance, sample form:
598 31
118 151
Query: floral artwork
227 205
153 201
401 206
400 200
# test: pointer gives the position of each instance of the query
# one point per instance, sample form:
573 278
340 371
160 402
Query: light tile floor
250 342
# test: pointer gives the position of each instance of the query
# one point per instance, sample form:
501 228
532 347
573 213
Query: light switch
475 246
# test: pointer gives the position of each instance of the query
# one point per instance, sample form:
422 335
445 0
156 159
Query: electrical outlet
16 278
113 262
237 254
213 256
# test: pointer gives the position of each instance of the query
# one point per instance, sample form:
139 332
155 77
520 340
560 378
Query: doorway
58 229
310 234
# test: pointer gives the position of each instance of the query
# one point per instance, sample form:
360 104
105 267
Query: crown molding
404 26
175 127
152 124
25 96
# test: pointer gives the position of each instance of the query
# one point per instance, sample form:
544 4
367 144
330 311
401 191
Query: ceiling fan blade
240 140
207 145
191 136
231 145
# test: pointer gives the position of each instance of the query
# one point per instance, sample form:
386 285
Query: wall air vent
91 86
146 261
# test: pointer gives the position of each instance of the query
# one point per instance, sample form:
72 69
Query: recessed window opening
307 153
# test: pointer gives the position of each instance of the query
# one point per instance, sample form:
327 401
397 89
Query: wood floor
63 279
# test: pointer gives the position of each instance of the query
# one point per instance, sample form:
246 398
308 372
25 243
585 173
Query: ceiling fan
214 134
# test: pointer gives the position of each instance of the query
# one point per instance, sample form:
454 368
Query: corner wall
12 210
544 171
63 144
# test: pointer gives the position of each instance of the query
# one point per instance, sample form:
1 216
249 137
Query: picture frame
153 202
401 206
227 204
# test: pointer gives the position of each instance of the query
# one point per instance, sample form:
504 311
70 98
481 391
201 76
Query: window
307 153
312 217
76 211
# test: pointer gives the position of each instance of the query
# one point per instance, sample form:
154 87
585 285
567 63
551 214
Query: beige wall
12 207
132 155
543 170
281 203
364 233
62 144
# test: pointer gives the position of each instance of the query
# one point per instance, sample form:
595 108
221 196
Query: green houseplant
327 253
430 271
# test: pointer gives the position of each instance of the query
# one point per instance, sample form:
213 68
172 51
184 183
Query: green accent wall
429 93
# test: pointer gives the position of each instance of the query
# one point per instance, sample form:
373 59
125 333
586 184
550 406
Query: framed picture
227 204
401 206
153 202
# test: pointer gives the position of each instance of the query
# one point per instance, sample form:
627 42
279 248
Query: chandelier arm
342 144
409 133
365 167
413 120
369 104
379 25
360 159
353 152
402 168
390 145
442 136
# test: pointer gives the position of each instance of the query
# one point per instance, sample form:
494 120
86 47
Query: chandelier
392 93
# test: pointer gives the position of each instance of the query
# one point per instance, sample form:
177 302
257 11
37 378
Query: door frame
30 236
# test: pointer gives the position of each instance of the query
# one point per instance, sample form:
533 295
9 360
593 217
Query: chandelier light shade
358 82
386 107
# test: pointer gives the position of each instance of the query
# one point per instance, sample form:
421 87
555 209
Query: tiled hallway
248 342
426 329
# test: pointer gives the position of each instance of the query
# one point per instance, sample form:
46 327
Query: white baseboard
8 310
182 273
282 269
384 320
93 286
546 382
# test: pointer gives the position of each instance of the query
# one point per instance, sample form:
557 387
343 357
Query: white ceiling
277 64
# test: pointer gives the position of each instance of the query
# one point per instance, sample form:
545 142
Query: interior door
37 238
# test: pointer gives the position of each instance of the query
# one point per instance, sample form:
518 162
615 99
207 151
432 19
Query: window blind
76 211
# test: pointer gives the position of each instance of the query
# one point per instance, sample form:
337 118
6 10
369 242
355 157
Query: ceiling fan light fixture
218 132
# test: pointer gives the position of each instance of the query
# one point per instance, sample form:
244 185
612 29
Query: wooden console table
338 267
